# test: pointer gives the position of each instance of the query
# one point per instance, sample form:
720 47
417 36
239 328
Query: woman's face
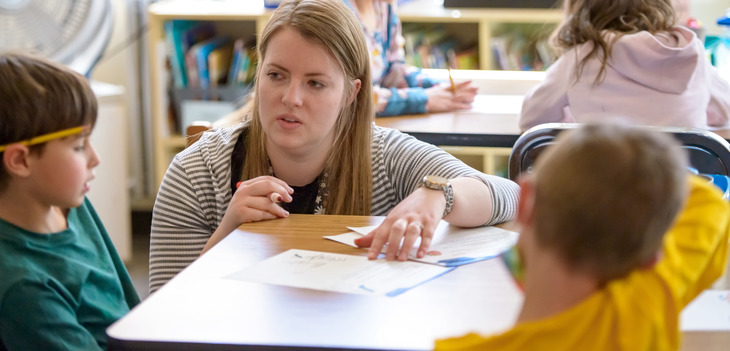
301 92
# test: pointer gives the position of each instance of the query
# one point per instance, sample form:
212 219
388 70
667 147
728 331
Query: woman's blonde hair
586 21
333 25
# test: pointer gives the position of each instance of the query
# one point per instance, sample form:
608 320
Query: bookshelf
232 18
477 25
248 17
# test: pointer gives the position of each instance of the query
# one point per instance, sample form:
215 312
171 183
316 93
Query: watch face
435 180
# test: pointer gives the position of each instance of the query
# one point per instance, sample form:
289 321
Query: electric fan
72 32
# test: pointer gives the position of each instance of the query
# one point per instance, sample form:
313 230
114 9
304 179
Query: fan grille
45 26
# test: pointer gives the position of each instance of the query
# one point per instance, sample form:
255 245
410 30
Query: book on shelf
197 61
243 63
499 53
174 30
219 63
200 32
545 52
516 53
427 47
467 59
208 73
522 46
180 36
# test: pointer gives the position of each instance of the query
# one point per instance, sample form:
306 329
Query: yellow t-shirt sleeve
695 249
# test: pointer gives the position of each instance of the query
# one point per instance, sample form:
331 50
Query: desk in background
482 137
492 122
489 129
201 309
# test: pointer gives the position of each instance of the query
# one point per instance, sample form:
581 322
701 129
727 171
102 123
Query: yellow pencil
450 58
453 86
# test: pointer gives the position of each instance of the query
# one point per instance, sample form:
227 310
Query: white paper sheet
710 311
452 246
338 272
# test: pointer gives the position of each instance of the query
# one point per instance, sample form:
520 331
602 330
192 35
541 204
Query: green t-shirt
61 291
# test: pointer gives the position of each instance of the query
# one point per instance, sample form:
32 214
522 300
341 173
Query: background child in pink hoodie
628 58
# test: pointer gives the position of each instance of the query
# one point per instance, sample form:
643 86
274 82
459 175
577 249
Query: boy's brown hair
605 196
39 96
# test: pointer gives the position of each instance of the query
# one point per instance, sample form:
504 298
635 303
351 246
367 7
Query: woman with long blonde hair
309 145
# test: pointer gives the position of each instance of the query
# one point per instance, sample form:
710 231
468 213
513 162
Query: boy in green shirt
63 282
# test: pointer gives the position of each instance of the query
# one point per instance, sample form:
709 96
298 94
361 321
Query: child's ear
526 204
652 260
15 160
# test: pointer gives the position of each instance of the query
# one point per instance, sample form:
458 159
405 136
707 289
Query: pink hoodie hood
665 62
663 80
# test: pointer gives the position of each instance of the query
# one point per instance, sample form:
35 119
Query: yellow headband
46 137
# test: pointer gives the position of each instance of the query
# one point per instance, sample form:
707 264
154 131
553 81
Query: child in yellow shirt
599 271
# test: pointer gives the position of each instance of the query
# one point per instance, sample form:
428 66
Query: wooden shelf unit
428 11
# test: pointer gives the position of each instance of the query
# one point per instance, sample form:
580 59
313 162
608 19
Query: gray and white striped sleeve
179 229
400 161
191 201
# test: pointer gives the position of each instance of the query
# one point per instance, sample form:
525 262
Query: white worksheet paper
710 311
452 246
341 273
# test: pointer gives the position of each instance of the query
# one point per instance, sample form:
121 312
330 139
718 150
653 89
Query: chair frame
699 143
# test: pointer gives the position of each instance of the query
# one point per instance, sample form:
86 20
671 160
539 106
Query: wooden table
202 309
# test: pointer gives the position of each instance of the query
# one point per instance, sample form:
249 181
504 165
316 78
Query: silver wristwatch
440 183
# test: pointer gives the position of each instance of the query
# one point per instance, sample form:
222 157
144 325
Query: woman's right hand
255 200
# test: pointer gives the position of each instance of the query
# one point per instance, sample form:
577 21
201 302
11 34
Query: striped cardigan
195 191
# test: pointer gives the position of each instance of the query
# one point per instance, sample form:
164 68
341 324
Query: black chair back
708 152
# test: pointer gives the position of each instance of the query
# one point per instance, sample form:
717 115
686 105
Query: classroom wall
114 69
707 11
119 66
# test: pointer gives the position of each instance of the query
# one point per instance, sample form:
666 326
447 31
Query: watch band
449 195
443 184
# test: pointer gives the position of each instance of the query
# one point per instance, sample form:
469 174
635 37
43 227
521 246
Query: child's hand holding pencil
452 96
455 96
451 62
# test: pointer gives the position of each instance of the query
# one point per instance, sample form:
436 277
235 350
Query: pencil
451 79
450 58
275 198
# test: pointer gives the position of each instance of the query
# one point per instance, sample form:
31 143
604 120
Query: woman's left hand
416 216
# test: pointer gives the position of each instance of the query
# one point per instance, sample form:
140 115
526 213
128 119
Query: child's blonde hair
39 96
587 20
605 196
